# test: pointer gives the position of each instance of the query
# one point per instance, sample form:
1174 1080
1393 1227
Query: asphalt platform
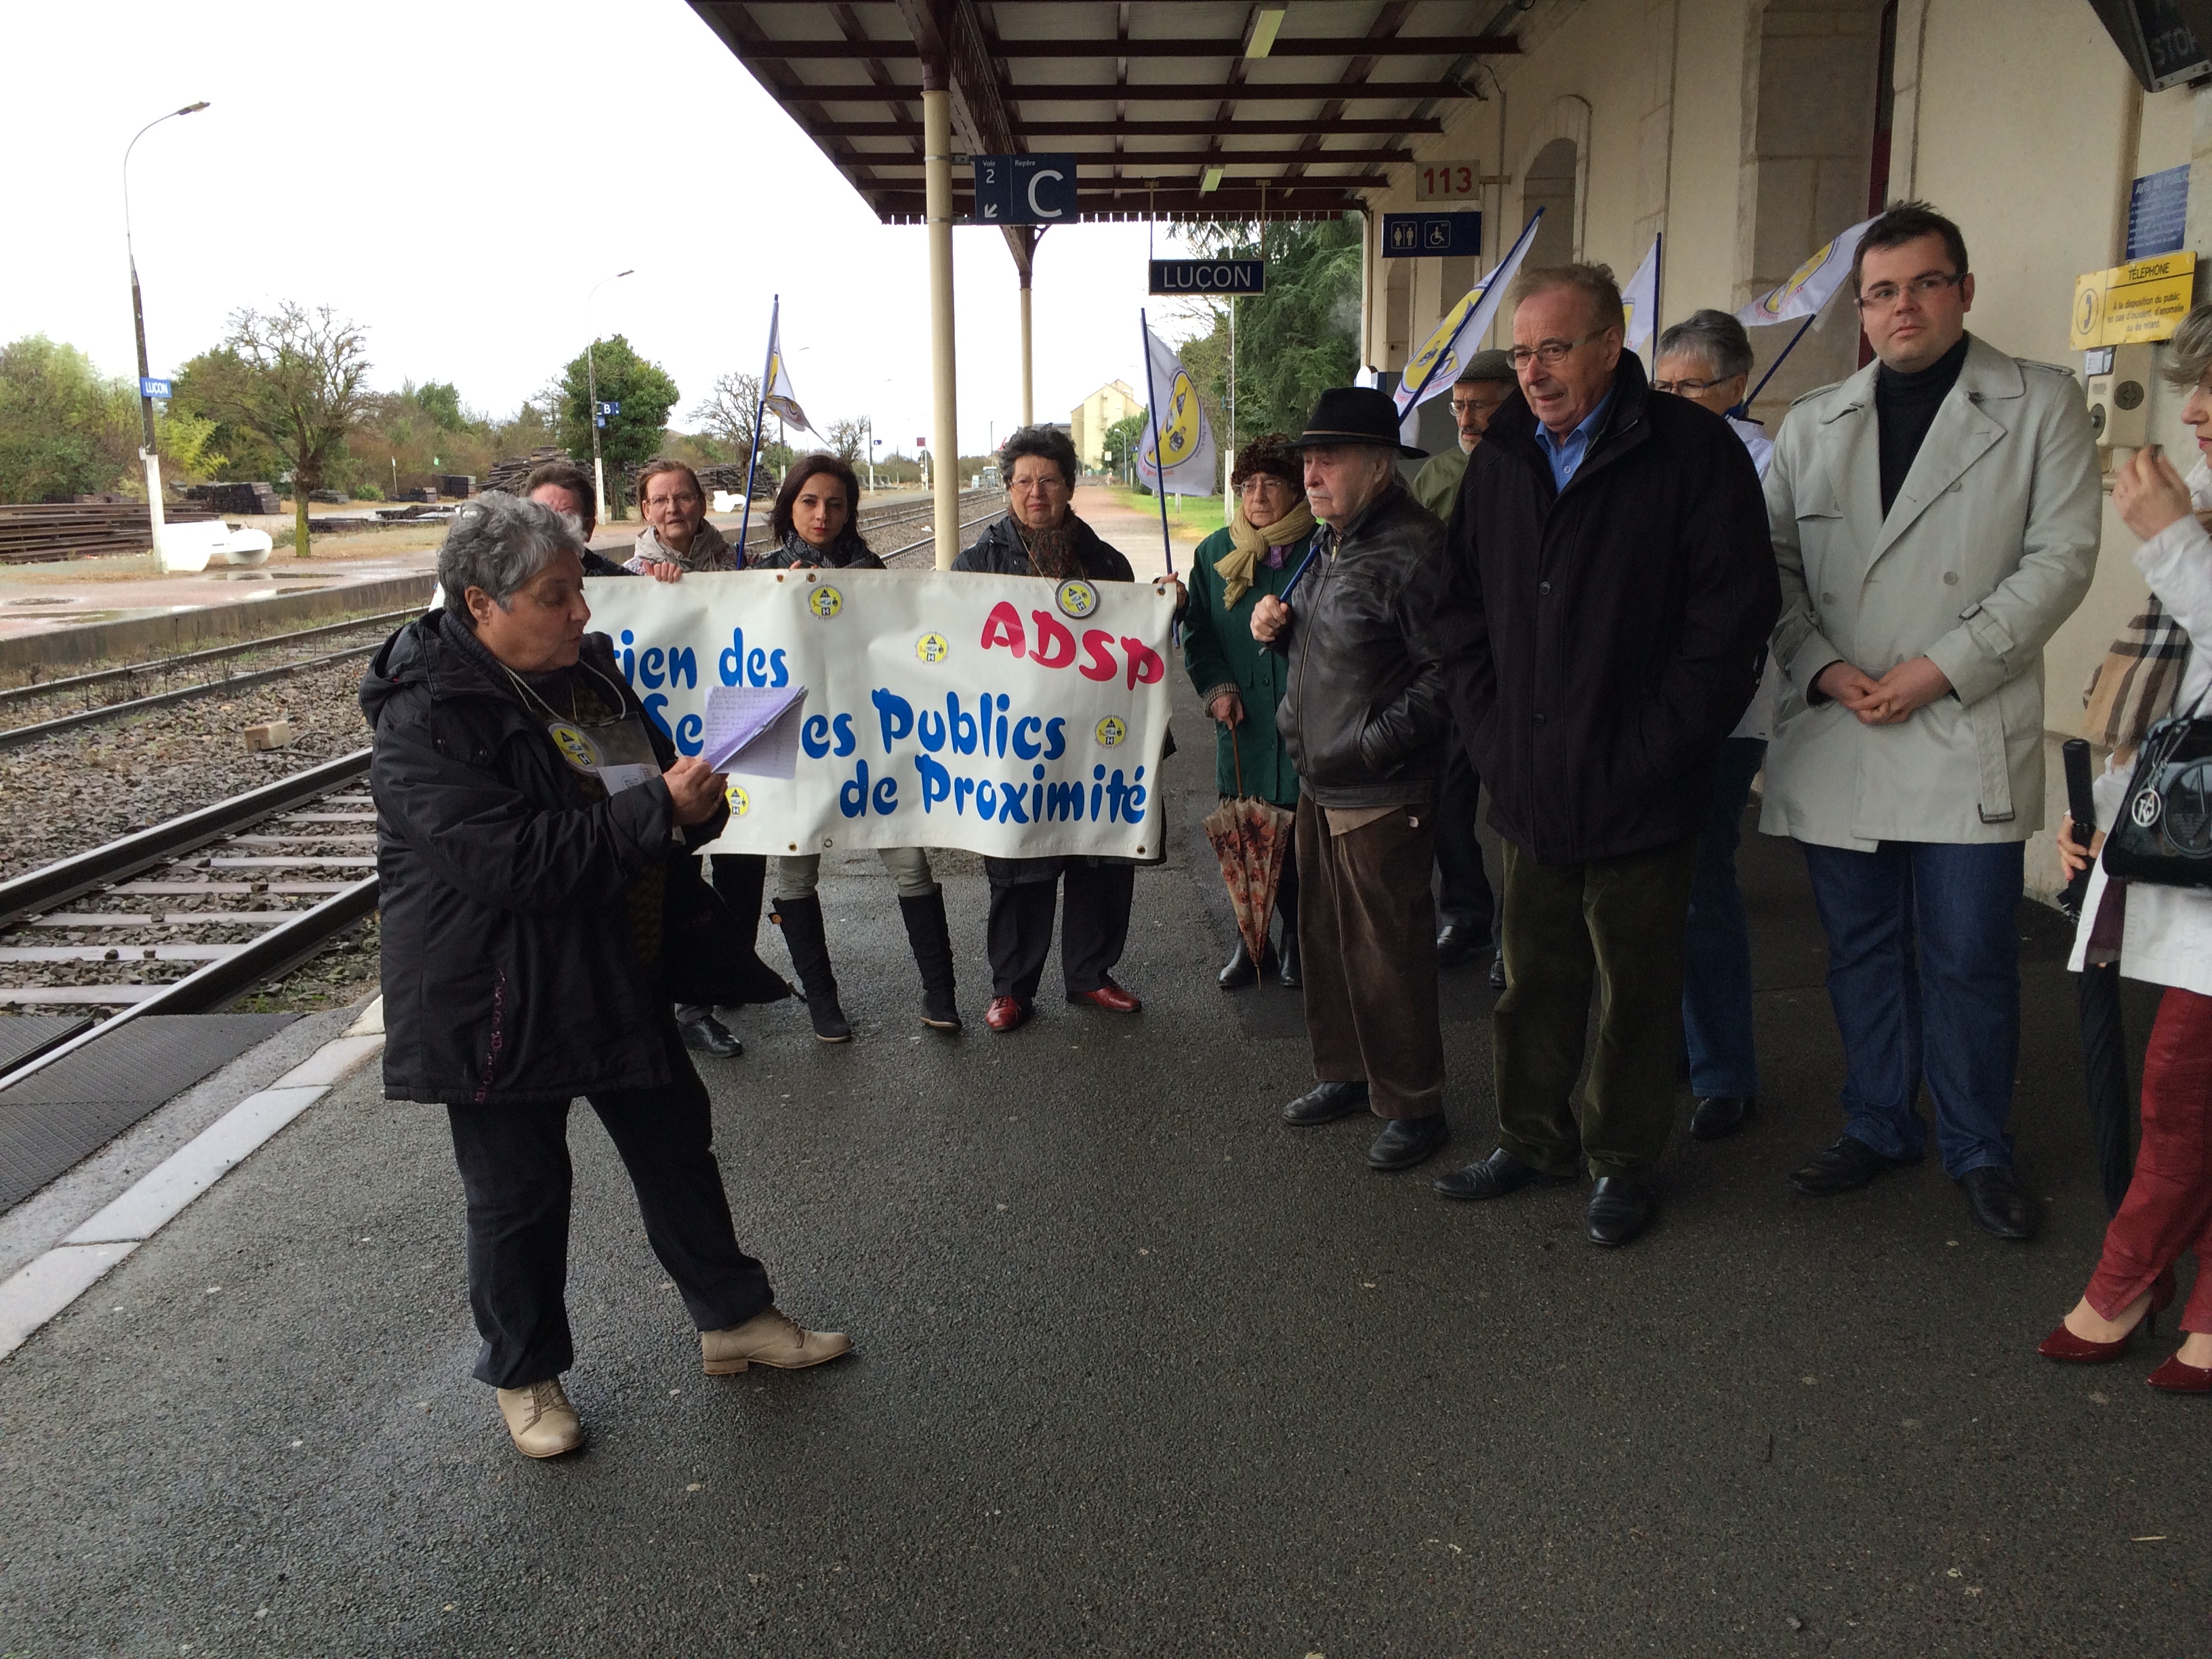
1139 1370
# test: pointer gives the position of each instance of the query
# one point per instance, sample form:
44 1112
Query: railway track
187 916
881 525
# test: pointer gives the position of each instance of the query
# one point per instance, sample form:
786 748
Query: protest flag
1804 296
1639 298
777 395
1436 366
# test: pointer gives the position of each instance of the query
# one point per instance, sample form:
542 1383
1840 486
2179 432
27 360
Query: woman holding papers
1039 536
1239 680
533 832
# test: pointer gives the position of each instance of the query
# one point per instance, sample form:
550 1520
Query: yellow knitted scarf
1246 544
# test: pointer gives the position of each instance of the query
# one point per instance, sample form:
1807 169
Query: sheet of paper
775 752
738 714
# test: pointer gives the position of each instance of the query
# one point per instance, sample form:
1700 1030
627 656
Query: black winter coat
1363 716
1600 641
998 552
511 970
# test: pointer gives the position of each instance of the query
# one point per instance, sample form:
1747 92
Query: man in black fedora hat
1608 591
1364 720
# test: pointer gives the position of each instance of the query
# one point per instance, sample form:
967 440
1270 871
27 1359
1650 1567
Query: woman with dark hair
1239 680
1039 536
533 832
2160 934
813 527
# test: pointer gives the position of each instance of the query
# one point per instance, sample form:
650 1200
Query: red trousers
2168 1208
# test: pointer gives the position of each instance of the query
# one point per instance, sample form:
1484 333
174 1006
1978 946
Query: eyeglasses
1883 296
1689 388
686 499
1050 483
1550 353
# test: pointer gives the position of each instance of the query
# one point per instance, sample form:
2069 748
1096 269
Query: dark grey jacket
1363 718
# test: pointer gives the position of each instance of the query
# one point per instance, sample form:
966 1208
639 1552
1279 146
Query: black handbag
2164 833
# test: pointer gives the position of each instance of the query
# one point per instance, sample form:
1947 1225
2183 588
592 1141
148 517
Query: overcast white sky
466 171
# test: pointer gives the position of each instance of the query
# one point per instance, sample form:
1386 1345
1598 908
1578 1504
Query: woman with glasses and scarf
812 528
1039 536
1239 680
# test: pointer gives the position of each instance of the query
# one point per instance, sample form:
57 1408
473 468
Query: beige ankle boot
769 1338
541 1419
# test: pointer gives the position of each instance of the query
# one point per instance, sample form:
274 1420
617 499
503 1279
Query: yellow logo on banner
825 602
575 748
1426 369
740 803
1077 599
1111 731
932 647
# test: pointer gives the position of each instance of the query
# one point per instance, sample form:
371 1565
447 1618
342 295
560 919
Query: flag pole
1159 461
1658 278
760 413
1743 408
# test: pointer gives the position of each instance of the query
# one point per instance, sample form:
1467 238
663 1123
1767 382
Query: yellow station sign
2143 300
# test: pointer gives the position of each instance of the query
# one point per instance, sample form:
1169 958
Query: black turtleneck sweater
1905 407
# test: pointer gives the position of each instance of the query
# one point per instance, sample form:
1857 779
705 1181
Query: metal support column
944 436
1022 242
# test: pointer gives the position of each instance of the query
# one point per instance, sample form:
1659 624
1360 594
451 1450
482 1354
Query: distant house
1088 421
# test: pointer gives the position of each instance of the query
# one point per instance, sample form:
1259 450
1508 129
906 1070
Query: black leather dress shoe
1843 1168
1456 944
1620 1207
1406 1141
1999 1206
1240 970
708 1036
1723 1114
1493 1177
1497 971
1325 1102
1287 960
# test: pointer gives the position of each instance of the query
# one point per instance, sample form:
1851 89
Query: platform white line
53 1281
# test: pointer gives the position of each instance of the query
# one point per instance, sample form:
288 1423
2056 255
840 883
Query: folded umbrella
1252 839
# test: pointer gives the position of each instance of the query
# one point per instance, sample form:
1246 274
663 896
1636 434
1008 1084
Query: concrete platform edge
50 1282
180 630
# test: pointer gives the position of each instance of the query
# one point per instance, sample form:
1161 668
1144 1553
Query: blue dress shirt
1565 457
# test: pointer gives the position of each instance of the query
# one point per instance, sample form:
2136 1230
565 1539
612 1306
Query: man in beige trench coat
1935 517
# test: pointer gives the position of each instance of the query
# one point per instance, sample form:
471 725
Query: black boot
801 919
1240 970
1288 955
933 953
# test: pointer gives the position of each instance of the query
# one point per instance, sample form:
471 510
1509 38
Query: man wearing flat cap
1480 393
1363 718
1608 591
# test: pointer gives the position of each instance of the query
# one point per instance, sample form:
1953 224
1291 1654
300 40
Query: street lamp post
146 453
591 379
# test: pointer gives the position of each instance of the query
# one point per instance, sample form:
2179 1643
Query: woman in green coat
1270 530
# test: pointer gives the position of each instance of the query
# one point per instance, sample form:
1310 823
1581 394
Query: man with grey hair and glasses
1936 518
1608 587
1706 357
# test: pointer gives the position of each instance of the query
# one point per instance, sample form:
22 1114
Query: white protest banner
1810 285
1430 371
1011 715
1639 299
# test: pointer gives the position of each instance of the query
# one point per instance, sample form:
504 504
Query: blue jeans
1923 963
1716 976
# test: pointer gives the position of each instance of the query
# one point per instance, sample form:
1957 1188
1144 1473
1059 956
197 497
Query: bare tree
727 413
847 441
297 379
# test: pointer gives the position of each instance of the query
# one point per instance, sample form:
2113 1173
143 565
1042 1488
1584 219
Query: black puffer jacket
1364 717
1602 640
998 552
511 970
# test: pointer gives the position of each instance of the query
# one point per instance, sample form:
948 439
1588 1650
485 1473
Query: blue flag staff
1742 410
760 414
1159 462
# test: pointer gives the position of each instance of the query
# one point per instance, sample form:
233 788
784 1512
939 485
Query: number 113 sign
1447 181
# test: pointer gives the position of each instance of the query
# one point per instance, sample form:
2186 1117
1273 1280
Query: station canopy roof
1299 106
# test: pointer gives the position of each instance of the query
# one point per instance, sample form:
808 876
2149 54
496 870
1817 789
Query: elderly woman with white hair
533 828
